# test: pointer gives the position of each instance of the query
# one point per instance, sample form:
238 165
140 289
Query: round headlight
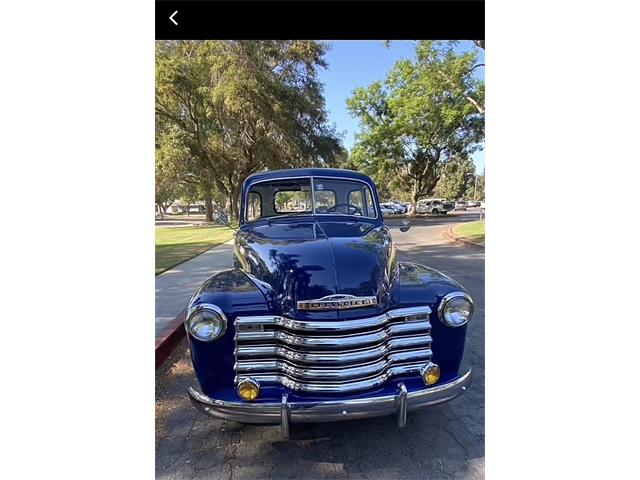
456 309
206 322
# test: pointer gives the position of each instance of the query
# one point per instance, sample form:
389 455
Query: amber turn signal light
430 374
248 389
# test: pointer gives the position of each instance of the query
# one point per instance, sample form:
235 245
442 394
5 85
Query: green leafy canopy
240 107
426 113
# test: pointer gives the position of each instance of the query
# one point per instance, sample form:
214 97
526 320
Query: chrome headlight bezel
217 317
445 301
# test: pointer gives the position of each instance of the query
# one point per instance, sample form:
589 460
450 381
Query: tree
171 167
245 106
457 69
457 176
165 189
189 193
477 190
419 118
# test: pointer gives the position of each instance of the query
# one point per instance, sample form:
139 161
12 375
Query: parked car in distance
434 206
387 206
460 205
399 206
396 207
473 203
318 320
482 206
386 210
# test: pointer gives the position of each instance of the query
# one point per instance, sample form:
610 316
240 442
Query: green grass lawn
473 231
178 244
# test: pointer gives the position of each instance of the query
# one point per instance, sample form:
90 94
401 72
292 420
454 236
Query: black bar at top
321 20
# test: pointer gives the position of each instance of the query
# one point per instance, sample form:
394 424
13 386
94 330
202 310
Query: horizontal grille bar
413 313
343 357
338 387
329 374
336 341
332 356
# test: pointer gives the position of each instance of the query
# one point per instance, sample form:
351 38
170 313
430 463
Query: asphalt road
443 442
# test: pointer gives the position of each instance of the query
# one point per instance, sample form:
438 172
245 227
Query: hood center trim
337 302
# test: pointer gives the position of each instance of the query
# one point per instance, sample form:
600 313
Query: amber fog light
430 374
248 389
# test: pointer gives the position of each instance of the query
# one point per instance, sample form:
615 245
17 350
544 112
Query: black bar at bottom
320 20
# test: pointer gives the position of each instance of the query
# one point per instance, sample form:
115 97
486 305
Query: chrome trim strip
327 411
334 326
340 358
340 341
253 368
337 387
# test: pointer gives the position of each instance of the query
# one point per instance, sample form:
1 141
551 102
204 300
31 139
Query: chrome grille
332 356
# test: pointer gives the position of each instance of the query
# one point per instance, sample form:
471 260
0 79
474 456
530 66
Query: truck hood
313 259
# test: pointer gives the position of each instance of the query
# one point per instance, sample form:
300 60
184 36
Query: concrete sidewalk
175 286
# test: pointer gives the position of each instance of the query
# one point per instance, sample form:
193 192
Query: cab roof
306 172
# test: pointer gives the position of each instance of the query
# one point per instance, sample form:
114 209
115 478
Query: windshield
294 197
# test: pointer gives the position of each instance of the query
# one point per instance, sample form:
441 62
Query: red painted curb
169 338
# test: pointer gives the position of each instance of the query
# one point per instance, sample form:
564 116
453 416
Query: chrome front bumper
284 413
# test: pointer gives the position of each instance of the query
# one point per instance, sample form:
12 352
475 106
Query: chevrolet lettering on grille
337 302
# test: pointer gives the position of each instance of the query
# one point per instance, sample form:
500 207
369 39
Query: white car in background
386 211
434 206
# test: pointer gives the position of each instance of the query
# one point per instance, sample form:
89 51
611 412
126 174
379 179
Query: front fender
236 294
420 285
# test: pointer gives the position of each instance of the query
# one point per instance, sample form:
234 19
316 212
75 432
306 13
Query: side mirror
405 225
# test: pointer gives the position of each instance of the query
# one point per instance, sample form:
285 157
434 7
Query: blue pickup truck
318 321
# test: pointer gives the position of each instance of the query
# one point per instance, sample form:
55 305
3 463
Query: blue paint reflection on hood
309 259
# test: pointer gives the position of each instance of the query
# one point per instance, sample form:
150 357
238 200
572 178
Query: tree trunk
415 197
208 205
233 205
230 206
